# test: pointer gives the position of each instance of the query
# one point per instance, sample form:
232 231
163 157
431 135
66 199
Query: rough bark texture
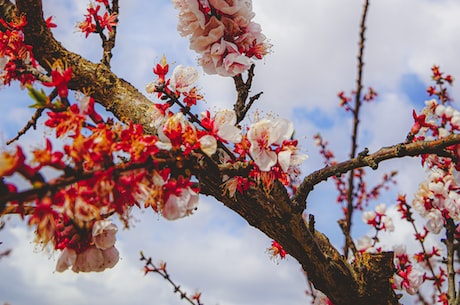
364 281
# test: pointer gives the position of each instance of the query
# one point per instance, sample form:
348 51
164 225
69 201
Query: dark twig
151 267
66 180
354 137
33 120
241 107
31 123
109 43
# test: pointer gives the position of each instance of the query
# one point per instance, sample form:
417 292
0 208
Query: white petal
208 145
230 133
284 159
90 260
111 257
104 232
66 259
284 128
264 159
225 117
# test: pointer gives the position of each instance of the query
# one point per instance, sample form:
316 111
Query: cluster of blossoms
95 22
437 201
223 33
407 276
98 256
108 168
378 218
16 56
268 143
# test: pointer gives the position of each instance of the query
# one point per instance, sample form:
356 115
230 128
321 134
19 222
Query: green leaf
40 97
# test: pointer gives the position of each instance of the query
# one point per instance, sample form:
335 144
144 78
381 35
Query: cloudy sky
313 58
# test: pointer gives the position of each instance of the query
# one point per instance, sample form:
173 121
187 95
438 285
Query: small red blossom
108 21
276 250
49 23
60 80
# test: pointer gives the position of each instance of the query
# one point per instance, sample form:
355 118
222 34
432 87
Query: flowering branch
365 160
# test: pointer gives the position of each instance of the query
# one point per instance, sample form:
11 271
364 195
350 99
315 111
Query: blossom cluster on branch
223 33
107 168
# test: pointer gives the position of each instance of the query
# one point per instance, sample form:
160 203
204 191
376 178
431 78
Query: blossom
10 162
181 205
183 78
221 127
410 279
104 234
66 259
94 259
262 135
290 156
222 33
276 250
98 256
364 243
435 221
60 79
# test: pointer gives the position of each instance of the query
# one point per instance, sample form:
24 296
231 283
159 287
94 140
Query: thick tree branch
115 94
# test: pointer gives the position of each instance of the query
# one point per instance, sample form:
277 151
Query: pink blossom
183 78
89 260
224 123
435 221
203 39
95 260
178 206
104 234
262 135
190 17
290 156
66 259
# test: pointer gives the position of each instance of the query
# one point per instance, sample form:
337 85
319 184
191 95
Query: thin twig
243 88
151 267
109 43
354 136
31 123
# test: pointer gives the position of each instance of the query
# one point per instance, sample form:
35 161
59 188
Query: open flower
178 206
104 234
262 135
183 78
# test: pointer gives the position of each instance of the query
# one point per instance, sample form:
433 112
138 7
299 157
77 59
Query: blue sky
313 58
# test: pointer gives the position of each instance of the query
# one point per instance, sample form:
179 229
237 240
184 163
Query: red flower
60 80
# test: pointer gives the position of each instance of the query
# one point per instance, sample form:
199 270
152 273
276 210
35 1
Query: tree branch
354 135
115 94
396 151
